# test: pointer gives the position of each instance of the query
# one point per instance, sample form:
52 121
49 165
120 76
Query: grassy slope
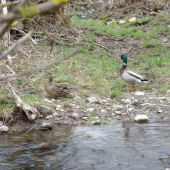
98 70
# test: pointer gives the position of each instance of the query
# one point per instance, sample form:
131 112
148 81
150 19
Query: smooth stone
110 22
33 117
85 118
49 101
55 114
75 115
46 126
49 117
121 21
135 102
118 112
4 128
132 19
103 111
128 101
90 109
92 99
130 109
113 114
141 119
138 93
44 109
62 110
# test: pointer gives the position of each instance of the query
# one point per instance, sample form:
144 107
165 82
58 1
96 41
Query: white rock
33 117
85 118
97 117
135 102
121 21
55 114
48 100
75 115
46 125
62 110
110 22
128 101
4 128
141 119
77 97
113 114
165 41
132 19
92 99
117 107
90 109
103 111
130 109
58 107
118 112
168 91
49 117
159 110
138 93
77 107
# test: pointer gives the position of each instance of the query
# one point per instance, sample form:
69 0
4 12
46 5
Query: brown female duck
56 89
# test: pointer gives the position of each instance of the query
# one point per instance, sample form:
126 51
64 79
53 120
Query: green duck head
124 58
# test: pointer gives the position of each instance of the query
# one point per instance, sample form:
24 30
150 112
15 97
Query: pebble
121 21
132 19
141 119
128 101
118 112
33 117
49 101
138 93
75 115
49 117
103 111
46 125
44 109
113 114
130 109
85 118
4 128
92 99
90 109
55 114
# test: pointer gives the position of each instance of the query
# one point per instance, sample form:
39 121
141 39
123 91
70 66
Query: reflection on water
116 146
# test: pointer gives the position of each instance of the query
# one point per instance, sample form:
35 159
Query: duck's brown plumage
56 89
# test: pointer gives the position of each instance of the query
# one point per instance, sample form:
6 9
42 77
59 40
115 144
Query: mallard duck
130 76
56 89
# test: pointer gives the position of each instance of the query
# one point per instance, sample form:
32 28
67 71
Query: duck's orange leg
132 86
57 98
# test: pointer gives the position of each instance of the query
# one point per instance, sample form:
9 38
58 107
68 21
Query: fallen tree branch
40 68
23 107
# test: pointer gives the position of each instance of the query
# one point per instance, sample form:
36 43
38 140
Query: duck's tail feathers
145 81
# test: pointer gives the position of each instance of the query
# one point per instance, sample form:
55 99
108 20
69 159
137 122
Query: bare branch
40 68
15 45
31 11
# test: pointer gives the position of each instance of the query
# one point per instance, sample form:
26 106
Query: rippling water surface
89 147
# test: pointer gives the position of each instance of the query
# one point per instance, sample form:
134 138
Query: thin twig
134 149
39 68
15 45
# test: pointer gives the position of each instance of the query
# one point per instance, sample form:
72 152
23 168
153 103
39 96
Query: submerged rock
46 126
141 119
4 128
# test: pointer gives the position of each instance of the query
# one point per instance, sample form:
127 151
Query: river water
108 147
